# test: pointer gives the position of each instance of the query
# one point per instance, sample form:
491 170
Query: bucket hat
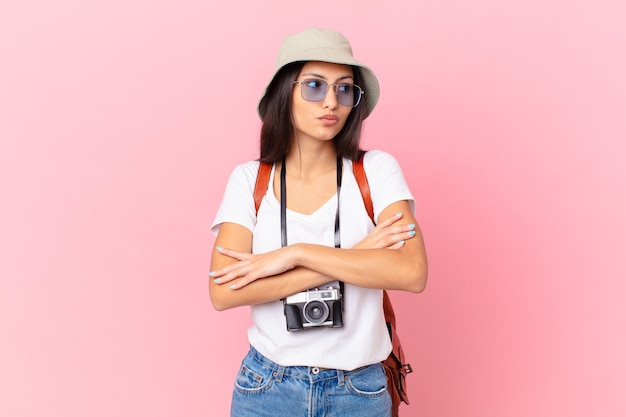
314 44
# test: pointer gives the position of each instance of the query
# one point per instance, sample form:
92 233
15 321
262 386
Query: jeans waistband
304 372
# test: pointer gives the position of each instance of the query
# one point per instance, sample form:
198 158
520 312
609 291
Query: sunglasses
315 90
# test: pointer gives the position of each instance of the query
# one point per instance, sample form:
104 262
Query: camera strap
283 204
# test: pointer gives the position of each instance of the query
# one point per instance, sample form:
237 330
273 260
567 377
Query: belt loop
279 373
340 377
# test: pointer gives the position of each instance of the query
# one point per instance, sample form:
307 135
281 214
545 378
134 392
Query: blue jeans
264 388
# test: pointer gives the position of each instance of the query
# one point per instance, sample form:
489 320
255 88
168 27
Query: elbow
418 278
219 300
412 266
418 285
219 306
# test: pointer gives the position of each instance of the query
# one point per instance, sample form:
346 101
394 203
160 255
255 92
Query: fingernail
219 248
412 233
401 243
211 273
411 226
232 287
399 214
216 280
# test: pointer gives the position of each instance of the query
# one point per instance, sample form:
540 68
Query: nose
330 99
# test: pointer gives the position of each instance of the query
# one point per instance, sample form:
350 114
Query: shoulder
386 180
245 173
376 160
237 202
247 169
242 178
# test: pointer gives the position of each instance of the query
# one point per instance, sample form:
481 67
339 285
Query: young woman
311 264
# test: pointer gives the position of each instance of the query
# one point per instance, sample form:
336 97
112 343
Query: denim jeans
264 388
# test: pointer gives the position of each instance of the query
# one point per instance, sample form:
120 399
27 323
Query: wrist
296 254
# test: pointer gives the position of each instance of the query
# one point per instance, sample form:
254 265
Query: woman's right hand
388 234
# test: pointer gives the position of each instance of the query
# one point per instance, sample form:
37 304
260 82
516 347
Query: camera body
317 307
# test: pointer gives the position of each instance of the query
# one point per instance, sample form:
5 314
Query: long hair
278 128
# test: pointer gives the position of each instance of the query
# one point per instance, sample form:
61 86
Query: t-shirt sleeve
386 181
237 204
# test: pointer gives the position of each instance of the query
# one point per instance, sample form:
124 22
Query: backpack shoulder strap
361 179
261 184
395 360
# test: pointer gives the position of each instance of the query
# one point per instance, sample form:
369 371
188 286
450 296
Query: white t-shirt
363 339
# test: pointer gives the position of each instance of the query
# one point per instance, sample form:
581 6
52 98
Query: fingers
243 278
227 274
242 273
388 225
396 239
233 270
243 282
396 245
390 220
249 267
389 234
240 256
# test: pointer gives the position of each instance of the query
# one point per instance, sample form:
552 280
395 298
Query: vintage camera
317 307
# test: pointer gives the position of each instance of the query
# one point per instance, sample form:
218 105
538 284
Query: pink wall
121 120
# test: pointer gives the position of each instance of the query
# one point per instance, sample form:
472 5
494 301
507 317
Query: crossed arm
391 257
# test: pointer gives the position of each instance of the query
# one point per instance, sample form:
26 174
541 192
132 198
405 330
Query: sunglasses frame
303 82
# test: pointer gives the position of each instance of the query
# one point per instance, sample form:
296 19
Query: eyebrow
323 77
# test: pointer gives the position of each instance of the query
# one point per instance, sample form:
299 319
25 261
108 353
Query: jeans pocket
370 381
253 377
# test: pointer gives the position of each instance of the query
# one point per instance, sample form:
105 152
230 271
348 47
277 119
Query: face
320 120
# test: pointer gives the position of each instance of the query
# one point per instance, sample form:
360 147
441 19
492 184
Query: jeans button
315 370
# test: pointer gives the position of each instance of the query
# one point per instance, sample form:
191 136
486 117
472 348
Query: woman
311 258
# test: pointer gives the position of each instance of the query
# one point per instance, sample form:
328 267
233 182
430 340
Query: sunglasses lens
314 90
348 94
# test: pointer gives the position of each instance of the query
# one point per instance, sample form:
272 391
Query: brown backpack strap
261 184
395 367
364 186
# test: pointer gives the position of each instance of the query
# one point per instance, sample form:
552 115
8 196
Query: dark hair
278 129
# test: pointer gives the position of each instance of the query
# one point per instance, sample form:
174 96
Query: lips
329 119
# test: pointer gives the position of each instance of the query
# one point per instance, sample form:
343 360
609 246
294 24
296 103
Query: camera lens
315 311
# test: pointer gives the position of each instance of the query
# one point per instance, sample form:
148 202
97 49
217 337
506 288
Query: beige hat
325 45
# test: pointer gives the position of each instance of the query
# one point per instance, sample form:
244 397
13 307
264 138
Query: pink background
121 120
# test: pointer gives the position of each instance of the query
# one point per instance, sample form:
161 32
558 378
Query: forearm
402 269
392 256
265 290
374 265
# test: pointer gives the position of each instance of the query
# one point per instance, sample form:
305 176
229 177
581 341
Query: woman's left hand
250 267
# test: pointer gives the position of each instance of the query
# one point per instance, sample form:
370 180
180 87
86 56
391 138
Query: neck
305 161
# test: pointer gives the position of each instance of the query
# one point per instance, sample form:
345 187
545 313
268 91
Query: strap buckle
407 368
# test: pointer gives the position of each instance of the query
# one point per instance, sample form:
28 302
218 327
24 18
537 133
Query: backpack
395 367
